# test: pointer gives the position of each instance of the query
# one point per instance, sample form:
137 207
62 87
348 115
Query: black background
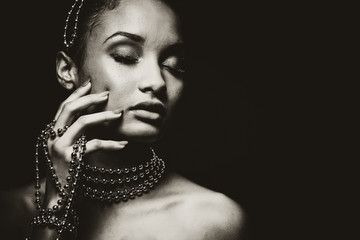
255 128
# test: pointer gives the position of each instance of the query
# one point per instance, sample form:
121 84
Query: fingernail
123 142
86 83
118 111
104 94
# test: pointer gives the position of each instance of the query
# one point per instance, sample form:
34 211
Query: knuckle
63 102
83 120
61 106
55 148
68 106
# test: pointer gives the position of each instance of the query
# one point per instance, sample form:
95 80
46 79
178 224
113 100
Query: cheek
121 94
106 76
104 72
175 91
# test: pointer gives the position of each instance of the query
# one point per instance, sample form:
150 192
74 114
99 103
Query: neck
132 155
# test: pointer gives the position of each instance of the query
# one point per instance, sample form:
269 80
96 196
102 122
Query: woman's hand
60 148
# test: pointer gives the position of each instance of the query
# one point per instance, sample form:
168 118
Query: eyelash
174 70
125 59
129 60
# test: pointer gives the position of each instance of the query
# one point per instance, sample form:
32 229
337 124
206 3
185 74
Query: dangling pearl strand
67 221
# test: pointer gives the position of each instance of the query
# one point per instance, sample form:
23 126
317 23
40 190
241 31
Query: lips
152 107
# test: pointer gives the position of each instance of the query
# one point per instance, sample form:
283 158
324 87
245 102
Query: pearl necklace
121 184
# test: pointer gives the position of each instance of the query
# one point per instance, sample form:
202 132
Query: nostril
152 84
161 94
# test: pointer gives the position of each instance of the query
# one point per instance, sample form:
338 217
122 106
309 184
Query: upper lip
150 106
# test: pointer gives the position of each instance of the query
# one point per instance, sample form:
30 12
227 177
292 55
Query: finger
84 121
70 109
97 144
79 92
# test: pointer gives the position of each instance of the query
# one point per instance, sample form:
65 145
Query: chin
140 132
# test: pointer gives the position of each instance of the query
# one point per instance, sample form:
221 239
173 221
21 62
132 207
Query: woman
105 181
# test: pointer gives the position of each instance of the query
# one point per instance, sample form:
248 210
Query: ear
66 71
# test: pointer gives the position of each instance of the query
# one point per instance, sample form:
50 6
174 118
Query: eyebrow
131 36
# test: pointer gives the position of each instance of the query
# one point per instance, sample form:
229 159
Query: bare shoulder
210 214
219 216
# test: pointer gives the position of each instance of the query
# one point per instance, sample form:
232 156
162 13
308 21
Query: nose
153 80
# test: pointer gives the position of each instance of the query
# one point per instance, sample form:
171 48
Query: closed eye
125 59
175 65
177 72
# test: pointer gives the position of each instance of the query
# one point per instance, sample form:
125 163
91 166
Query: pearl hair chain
69 43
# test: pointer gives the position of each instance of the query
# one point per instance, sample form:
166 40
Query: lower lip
144 114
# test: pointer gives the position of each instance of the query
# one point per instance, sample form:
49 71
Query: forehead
151 19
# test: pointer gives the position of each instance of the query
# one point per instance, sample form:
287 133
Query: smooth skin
123 72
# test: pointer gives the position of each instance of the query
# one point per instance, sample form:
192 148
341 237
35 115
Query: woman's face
135 53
